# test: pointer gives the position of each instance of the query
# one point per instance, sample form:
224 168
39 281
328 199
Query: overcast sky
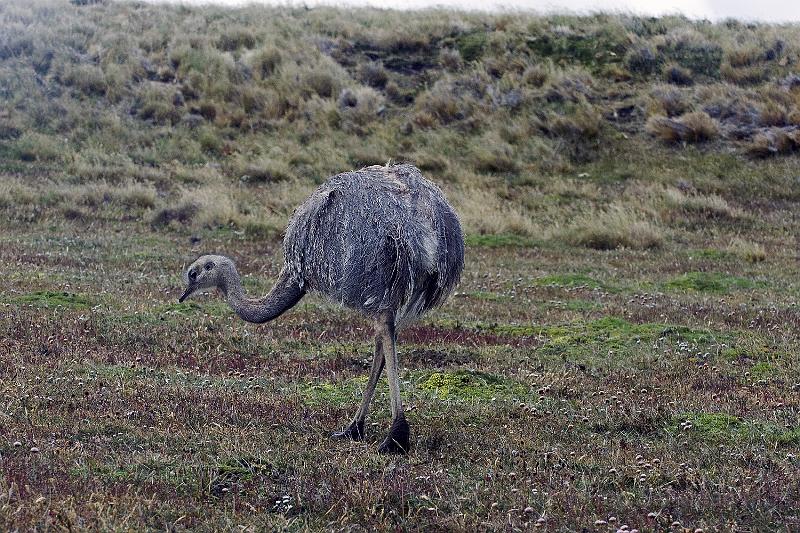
765 10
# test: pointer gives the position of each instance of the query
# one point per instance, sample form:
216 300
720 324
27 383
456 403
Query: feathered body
380 239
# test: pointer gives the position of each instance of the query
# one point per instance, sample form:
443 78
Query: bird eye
209 265
192 275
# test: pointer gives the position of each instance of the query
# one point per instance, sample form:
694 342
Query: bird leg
397 441
355 430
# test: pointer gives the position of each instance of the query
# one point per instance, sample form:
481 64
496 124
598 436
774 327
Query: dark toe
398 440
355 431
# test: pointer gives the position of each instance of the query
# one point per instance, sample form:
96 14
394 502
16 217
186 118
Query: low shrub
642 59
677 75
373 74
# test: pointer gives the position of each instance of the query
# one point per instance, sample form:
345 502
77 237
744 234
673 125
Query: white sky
763 10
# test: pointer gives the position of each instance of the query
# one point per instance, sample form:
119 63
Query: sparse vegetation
622 349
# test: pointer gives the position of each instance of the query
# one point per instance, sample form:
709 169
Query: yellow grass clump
690 127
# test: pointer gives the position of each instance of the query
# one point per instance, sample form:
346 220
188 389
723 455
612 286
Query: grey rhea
382 240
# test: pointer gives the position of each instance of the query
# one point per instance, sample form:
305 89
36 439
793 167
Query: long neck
281 298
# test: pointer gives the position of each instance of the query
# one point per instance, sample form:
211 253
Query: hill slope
234 114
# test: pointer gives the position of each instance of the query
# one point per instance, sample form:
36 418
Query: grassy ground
622 350
560 385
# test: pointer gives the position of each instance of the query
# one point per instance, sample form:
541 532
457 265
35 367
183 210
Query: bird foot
398 440
355 431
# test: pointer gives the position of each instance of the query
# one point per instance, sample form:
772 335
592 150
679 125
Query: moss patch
469 384
619 338
709 282
726 428
339 394
53 299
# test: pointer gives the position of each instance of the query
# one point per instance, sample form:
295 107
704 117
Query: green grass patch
726 428
710 253
750 347
241 468
472 45
338 394
710 282
54 299
620 339
470 385
762 370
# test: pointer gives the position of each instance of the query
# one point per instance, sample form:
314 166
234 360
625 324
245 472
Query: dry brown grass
711 206
746 75
751 251
537 75
774 141
691 128
484 212
669 101
744 55
772 114
617 227
677 75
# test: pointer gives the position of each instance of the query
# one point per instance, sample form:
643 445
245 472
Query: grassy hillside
210 117
622 350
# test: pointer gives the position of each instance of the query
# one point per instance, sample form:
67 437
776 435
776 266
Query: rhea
382 240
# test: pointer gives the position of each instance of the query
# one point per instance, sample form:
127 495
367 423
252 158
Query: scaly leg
398 439
355 430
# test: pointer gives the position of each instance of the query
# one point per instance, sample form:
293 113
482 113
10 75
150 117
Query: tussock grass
96 195
33 146
699 205
617 227
751 251
483 212
690 127
677 75
774 141
668 101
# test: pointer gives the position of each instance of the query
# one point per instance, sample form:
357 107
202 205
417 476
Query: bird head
206 272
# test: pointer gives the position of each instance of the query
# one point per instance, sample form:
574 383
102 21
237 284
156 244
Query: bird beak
189 290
